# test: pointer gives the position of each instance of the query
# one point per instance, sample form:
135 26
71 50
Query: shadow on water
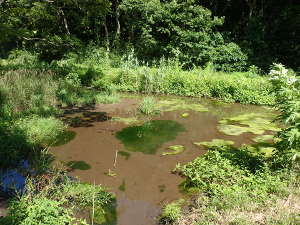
150 136
66 137
86 119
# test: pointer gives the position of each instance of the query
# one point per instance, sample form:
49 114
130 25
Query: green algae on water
78 165
179 104
235 130
175 149
256 123
263 138
148 137
214 143
126 120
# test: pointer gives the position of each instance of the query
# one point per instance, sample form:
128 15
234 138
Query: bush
40 131
39 211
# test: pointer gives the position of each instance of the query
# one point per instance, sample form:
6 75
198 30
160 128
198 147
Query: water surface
127 158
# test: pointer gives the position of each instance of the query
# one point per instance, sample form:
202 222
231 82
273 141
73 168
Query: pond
134 155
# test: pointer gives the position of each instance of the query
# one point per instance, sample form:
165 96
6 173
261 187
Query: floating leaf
176 149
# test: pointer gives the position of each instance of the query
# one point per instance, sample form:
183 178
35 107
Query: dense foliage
191 31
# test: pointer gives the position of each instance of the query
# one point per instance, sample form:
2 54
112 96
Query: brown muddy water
140 176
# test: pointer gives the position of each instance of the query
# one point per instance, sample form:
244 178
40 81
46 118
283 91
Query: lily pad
263 138
176 149
214 143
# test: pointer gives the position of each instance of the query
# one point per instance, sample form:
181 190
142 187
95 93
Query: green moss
214 143
179 104
126 120
78 165
263 138
149 136
175 149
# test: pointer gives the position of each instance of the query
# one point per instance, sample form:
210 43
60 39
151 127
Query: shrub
40 131
39 211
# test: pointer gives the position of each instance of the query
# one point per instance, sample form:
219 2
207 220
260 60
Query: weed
171 212
148 106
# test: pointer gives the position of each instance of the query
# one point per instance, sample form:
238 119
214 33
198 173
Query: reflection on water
151 135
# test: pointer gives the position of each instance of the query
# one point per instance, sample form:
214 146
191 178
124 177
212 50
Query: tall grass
28 91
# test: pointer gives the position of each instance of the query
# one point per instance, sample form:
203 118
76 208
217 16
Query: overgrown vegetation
241 186
58 54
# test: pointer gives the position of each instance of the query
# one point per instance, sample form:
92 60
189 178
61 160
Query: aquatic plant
148 106
214 143
185 115
175 149
180 104
263 138
126 120
256 123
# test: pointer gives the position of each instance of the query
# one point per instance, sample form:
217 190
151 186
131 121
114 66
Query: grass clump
171 212
148 106
39 131
27 91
